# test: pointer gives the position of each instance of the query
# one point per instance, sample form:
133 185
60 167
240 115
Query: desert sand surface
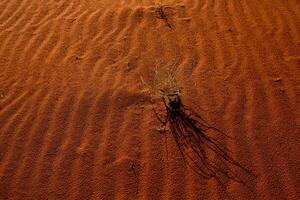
75 122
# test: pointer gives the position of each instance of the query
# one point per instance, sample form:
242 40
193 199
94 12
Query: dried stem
161 14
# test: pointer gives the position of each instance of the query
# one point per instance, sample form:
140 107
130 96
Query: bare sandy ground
75 123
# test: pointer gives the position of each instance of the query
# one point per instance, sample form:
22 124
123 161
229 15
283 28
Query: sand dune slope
76 124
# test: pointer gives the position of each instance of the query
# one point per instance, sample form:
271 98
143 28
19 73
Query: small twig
160 11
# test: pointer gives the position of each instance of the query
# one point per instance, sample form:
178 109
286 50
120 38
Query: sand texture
76 123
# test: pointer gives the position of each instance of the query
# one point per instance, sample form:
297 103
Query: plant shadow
199 145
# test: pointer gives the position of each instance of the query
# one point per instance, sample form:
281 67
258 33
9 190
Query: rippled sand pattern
75 123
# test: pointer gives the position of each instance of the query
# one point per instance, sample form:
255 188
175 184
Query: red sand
75 124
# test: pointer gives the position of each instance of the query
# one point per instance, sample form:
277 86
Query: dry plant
196 140
164 82
160 12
